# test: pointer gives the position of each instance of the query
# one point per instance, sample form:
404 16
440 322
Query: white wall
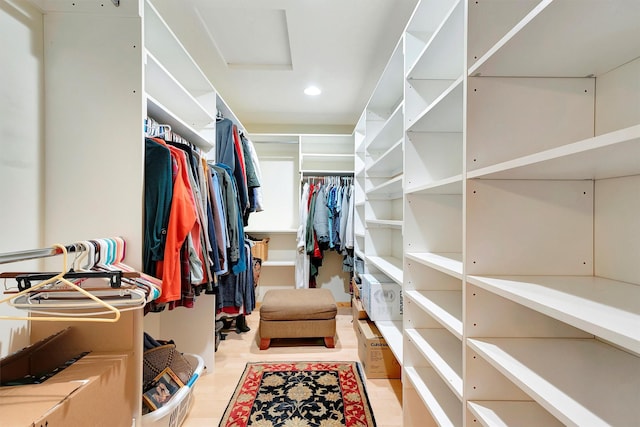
21 146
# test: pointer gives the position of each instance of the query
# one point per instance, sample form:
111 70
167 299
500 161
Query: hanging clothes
302 258
326 223
158 193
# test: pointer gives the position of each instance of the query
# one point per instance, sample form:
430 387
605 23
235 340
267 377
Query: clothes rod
34 254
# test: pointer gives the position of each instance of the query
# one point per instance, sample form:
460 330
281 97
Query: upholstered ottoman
298 313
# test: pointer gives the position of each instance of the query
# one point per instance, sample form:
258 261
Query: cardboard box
357 309
87 393
40 357
382 300
375 355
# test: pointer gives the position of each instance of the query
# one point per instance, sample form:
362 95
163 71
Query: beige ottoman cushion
298 304
297 313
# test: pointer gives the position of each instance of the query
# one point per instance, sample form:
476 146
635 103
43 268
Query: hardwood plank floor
214 389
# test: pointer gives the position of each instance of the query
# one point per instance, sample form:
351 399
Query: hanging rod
35 253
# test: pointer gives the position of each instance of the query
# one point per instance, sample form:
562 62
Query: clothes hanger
66 317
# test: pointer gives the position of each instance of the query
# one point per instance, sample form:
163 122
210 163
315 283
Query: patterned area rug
300 394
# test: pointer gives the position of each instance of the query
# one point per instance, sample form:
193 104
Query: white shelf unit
521 186
433 202
280 167
381 184
325 154
178 93
566 267
359 225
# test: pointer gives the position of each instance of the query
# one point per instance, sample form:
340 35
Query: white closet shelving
381 183
521 186
359 225
324 154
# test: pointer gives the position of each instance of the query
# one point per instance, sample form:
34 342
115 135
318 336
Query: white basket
173 413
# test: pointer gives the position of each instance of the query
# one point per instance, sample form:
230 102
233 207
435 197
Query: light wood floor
214 389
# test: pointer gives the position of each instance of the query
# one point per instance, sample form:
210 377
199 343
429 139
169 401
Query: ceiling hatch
251 39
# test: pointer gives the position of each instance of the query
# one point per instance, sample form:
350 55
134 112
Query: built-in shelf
165 46
552 372
391 330
276 263
161 114
524 50
164 88
606 308
271 231
389 163
325 172
384 223
452 185
578 160
443 351
391 189
389 133
449 263
390 266
442 56
444 306
443 405
509 413
444 114
522 160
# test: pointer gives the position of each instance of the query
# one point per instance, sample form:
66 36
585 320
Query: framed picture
162 389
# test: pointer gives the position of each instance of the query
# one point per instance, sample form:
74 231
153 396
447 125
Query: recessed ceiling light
312 91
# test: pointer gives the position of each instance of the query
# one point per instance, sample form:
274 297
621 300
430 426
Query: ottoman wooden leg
265 343
329 342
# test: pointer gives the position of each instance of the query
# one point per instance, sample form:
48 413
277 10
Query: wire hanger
60 278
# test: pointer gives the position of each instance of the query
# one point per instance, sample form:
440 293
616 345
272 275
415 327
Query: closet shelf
388 92
446 262
390 266
443 351
163 87
426 21
328 157
275 263
442 56
162 115
389 163
327 172
552 372
445 408
271 231
524 50
444 114
391 330
606 308
578 160
507 413
444 306
164 45
389 133
391 189
384 223
452 185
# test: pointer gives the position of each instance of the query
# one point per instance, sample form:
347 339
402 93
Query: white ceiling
261 54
